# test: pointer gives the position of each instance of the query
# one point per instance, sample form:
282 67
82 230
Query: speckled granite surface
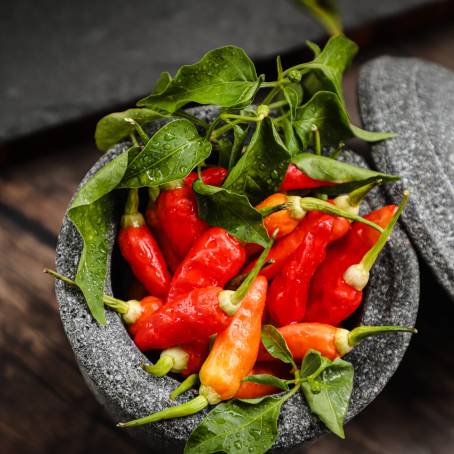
415 99
109 360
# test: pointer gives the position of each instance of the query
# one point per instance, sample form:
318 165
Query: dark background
63 65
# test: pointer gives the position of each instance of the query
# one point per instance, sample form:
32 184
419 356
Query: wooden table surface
45 405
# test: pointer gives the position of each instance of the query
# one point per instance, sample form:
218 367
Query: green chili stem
223 129
213 125
357 195
153 194
239 117
134 139
132 202
313 204
179 411
270 96
371 256
161 368
142 134
242 290
188 383
114 303
270 84
360 333
277 104
317 144
270 210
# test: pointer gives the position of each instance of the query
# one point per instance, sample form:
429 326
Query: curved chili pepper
140 249
213 260
177 213
249 390
133 312
196 315
213 176
233 355
329 340
336 289
287 297
184 359
296 179
286 247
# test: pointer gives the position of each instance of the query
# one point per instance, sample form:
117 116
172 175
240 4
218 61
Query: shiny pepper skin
176 210
213 176
215 258
285 247
331 299
141 251
149 304
302 337
194 316
296 179
287 296
235 349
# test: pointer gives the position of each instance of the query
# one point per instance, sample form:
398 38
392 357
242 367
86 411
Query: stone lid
415 99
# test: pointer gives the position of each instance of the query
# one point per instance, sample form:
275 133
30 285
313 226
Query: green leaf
239 136
290 138
91 212
293 94
326 12
327 68
224 76
275 344
347 176
162 83
112 128
314 47
328 394
267 379
236 427
260 170
172 152
312 363
325 111
231 211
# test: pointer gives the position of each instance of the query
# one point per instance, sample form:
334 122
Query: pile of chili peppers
206 295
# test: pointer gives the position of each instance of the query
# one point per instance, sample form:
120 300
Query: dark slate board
108 358
415 99
61 60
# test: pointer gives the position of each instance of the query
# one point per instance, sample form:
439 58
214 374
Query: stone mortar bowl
108 358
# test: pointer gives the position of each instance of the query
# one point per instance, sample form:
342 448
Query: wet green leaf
261 169
172 152
293 94
113 127
236 427
224 208
224 76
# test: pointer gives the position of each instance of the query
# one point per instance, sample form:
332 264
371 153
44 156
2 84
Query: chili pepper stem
314 204
188 408
171 185
230 300
120 306
162 367
316 141
142 134
360 333
131 216
357 275
188 383
351 202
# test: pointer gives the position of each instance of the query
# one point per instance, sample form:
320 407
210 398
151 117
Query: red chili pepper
287 297
249 390
213 260
176 210
196 315
233 355
285 248
184 359
296 179
336 289
213 176
140 249
329 340
133 312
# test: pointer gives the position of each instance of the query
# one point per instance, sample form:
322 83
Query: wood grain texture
45 405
